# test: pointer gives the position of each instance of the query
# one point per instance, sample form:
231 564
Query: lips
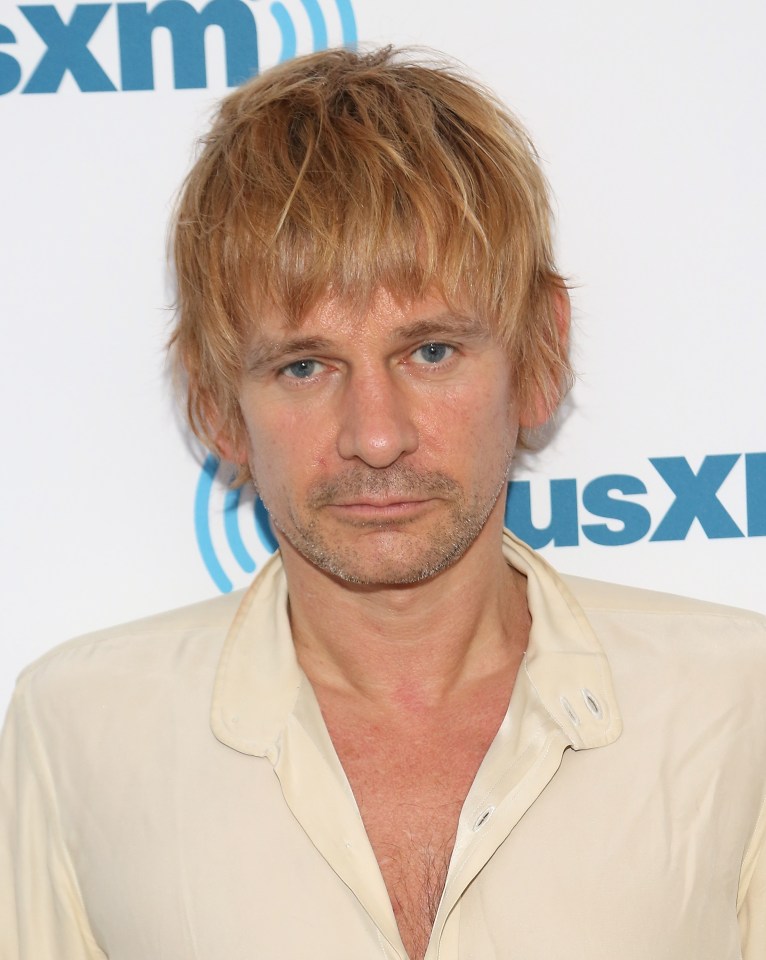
397 486
380 511
390 502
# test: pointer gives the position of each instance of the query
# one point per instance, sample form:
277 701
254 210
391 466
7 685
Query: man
409 737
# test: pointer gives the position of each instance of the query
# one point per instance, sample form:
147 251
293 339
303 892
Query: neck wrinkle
412 648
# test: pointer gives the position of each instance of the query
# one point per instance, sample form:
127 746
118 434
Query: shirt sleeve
41 912
752 900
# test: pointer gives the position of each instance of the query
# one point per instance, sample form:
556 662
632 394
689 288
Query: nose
376 423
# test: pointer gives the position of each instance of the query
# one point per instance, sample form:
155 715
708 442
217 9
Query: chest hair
410 783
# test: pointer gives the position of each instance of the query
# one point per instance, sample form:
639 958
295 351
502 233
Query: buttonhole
570 711
591 703
483 817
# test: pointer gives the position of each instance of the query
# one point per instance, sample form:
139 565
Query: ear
542 405
227 434
230 440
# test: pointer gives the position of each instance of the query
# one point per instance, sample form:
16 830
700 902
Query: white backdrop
650 121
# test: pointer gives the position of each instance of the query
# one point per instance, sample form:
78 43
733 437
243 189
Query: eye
301 369
433 353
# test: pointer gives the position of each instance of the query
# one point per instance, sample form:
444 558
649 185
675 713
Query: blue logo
282 28
616 498
612 504
237 504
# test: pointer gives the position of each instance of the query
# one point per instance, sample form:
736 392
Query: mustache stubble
398 480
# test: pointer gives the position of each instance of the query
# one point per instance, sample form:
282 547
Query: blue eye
301 369
433 353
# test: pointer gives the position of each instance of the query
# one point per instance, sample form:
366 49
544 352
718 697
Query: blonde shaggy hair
345 172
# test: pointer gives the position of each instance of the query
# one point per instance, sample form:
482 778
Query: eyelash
306 361
284 371
435 343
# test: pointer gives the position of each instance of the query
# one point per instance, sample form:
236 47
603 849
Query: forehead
384 318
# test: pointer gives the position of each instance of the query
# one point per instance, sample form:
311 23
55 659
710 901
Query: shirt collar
565 661
259 679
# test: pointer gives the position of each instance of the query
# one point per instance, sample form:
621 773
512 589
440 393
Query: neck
413 645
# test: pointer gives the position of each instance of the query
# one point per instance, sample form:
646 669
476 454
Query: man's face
380 442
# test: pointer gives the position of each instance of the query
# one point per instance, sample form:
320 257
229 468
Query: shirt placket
521 761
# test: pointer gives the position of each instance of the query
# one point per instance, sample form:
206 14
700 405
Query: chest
605 860
410 785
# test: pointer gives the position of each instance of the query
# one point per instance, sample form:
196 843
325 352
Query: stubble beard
402 558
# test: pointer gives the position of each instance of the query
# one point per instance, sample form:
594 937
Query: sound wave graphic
219 513
320 39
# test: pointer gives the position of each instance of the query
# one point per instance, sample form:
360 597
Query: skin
381 442
390 475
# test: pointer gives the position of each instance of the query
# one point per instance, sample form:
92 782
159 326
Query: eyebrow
267 352
449 324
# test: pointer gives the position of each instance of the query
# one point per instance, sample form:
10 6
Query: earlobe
546 397
233 449
226 435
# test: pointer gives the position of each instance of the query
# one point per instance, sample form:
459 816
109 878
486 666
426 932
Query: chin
387 562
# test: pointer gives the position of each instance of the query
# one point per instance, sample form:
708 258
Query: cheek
288 442
470 419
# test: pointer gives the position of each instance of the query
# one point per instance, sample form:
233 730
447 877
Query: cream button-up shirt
618 814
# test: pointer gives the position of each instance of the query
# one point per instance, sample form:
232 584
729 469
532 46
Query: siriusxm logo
612 503
612 498
126 34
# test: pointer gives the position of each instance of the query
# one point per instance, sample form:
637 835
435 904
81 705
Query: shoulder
685 641
601 596
185 639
